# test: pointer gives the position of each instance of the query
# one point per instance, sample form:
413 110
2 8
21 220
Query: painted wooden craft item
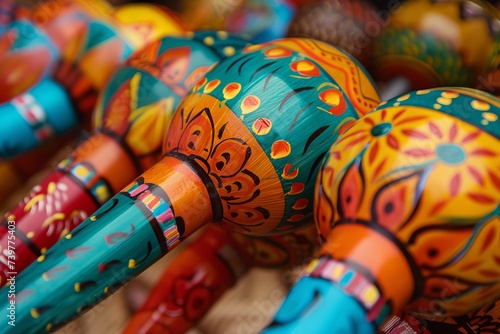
131 118
436 43
243 150
207 268
349 24
77 44
261 20
407 202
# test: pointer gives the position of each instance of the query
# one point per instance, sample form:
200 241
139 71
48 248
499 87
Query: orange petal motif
262 126
300 204
200 84
289 172
295 218
280 149
278 52
334 98
231 90
211 86
305 68
249 104
296 188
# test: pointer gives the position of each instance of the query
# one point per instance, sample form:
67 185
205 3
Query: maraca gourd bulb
258 124
421 175
90 36
436 43
169 67
343 23
243 150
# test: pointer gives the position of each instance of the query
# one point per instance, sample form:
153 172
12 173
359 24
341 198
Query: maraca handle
33 117
65 198
314 300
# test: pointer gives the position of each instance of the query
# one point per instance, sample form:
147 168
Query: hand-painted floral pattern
427 175
224 125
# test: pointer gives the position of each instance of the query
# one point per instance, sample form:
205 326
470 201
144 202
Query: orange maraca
242 150
407 202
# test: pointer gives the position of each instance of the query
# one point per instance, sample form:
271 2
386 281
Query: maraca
407 201
237 148
261 20
209 266
131 117
80 44
347 24
435 43
77 32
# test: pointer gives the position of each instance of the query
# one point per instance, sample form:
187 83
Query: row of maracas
326 96
54 65
208 169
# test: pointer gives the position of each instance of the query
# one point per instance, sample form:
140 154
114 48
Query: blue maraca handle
316 305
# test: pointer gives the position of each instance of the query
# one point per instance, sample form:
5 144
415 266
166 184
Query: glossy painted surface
436 43
207 268
408 199
243 150
79 44
261 20
349 24
31 118
132 116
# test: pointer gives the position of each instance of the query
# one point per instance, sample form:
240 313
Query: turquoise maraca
243 150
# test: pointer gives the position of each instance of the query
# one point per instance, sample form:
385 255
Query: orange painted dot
300 204
296 188
290 172
278 52
295 218
306 68
335 99
480 105
280 149
249 104
444 101
231 90
262 126
211 86
449 95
